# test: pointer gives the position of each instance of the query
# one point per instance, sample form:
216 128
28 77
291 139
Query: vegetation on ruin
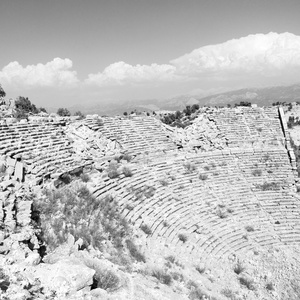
268 186
181 119
73 210
247 282
162 276
24 107
63 112
106 280
2 92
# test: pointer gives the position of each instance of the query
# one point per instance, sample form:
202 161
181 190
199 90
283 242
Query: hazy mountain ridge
261 96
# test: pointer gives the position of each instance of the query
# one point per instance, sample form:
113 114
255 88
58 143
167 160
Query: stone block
19 172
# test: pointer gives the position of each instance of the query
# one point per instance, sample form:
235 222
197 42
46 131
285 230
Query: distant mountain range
260 96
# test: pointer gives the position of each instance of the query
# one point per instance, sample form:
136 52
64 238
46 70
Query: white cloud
259 53
262 54
121 73
54 73
260 58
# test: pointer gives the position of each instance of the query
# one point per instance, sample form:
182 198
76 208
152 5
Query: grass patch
203 177
248 283
228 293
106 280
189 167
196 293
222 214
85 177
270 286
239 268
268 186
146 229
162 276
134 252
164 182
112 170
249 228
182 237
201 270
127 172
171 259
257 172
73 210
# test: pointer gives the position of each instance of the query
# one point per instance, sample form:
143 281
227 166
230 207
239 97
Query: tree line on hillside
184 118
24 108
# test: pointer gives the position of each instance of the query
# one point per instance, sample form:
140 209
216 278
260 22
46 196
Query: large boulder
68 275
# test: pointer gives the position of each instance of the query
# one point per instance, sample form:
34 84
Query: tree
24 104
79 114
2 92
195 107
125 113
63 112
187 110
42 109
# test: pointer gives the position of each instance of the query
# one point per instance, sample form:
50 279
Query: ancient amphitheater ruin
222 189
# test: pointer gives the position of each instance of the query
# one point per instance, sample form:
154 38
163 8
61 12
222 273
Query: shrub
238 268
4 279
203 177
79 114
85 177
134 252
112 170
162 276
106 280
249 283
196 293
190 167
127 172
74 210
164 182
127 157
149 191
24 107
228 293
201 270
256 172
171 259
270 286
182 237
221 213
63 112
146 229
177 276
2 169
268 186
249 228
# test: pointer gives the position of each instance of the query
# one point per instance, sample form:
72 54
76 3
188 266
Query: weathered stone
19 172
69 273
33 259
99 294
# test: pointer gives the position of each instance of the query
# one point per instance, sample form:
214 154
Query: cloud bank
260 53
263 54
252 59
54 73
121 73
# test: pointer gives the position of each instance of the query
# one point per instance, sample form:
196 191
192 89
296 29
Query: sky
61 53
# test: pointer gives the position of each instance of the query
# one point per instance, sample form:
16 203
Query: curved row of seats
43 147
211 198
